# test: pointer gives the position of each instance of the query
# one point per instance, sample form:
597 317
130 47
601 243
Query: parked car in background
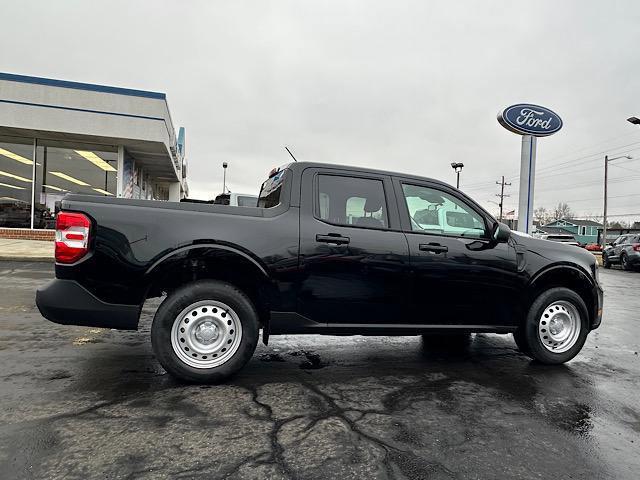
232 199
561 238
593 247
237 199
625 250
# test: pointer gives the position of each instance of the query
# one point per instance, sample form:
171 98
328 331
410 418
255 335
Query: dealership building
59 137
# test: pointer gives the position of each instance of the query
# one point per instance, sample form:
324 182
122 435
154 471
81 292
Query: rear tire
205 331
556 326
624 262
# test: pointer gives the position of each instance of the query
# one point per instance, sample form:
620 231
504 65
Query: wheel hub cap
556 325
559 326
206 334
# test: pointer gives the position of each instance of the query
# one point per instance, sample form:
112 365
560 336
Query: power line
566 164
550 174
592 198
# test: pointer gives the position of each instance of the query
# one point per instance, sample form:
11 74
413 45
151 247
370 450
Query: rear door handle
334 238
433 247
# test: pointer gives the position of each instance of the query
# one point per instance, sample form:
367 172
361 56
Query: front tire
556 326
205 331
606 263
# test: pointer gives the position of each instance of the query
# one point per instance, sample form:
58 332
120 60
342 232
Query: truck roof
299 166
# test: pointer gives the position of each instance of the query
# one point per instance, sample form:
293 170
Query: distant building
59 137
584 231
613 233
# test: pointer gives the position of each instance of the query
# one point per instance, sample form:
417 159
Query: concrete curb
16 258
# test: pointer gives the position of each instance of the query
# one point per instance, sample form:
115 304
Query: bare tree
616 225
541 215
562 210
594 217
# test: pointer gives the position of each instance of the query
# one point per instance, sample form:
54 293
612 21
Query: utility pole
501 194
606 177
604 215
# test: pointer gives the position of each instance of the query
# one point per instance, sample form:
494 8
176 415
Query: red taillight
636 247
72 236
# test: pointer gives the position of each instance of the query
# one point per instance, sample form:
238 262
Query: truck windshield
271 189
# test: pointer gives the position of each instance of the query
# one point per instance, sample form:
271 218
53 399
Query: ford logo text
526 119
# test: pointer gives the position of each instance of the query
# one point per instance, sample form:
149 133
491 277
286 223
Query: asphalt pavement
92 403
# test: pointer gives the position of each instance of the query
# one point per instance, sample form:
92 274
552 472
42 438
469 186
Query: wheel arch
213 261
568 276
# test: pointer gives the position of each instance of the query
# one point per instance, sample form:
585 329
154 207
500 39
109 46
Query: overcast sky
406 86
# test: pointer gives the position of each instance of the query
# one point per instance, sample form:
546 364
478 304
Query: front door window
437 212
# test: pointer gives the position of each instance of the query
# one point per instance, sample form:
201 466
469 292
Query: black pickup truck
329 250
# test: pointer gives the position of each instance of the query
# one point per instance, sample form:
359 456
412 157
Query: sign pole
530 121
527 183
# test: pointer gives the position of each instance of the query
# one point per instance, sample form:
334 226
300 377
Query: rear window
271 190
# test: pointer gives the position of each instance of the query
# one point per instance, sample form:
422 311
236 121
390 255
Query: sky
398 85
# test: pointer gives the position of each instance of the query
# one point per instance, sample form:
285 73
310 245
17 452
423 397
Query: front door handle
333 238
433 247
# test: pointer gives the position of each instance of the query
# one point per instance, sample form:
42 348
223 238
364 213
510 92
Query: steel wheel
559 326
206 334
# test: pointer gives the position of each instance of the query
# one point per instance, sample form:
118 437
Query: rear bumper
69 303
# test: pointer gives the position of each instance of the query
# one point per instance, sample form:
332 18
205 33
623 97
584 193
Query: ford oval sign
527 119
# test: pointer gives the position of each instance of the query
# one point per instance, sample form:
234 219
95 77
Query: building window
16 173
63 168
583 230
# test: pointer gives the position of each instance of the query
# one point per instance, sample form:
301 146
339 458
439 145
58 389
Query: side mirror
501 233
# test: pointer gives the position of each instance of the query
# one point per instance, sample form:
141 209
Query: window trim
406 220
316 199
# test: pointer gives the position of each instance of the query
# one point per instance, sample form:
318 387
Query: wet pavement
91 403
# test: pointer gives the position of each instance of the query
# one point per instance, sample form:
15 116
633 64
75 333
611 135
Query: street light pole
457 167
224 177
606 178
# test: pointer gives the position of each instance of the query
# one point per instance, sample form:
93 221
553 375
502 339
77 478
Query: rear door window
351 201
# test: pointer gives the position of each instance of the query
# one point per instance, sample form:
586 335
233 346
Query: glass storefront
61 168
16 173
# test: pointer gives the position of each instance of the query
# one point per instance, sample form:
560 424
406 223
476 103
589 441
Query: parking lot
92 403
